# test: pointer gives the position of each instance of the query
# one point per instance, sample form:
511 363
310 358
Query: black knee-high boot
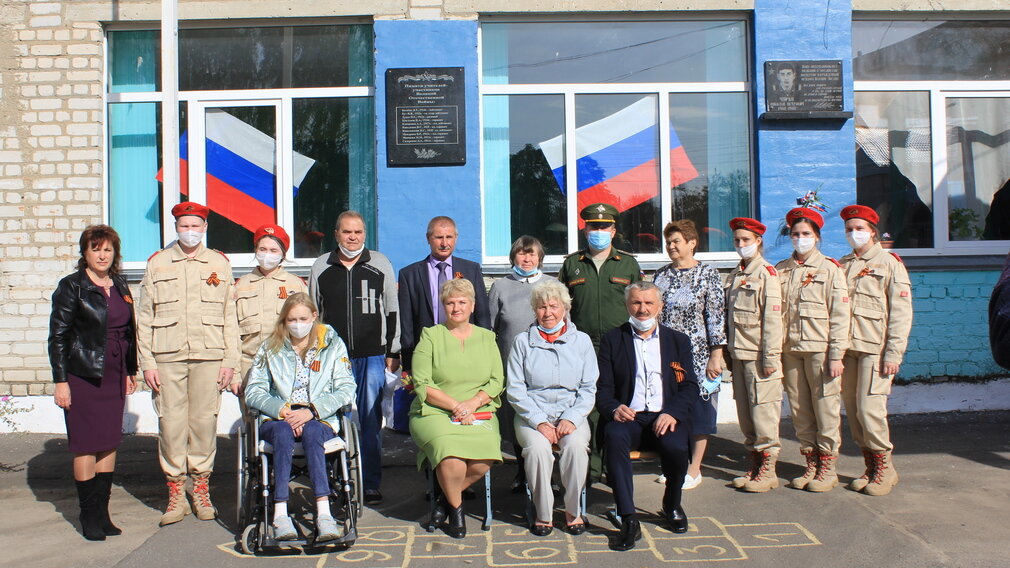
87 495
104 494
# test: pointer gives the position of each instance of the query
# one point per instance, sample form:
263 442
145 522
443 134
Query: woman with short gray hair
552 374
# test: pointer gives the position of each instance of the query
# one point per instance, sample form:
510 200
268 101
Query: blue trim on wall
409 197
800 155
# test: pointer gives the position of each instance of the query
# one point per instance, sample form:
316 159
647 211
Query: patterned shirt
694 304
300 394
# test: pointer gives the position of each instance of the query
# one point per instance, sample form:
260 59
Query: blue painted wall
409 197
796 156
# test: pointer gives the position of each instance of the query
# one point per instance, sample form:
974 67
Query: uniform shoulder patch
155 254
631 254
898 258
619 280
771 270
222 254
833 261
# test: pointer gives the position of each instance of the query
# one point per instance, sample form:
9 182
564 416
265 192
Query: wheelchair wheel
250 540
353 442
243 476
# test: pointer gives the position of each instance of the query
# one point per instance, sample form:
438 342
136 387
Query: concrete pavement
951 508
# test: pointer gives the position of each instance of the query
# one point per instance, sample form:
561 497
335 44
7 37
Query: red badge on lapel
316 365
282 293
459 275
678 371
213 280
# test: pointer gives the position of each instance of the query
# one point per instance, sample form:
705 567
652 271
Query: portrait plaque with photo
803 89
425 117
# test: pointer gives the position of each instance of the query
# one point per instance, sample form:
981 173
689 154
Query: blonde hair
550 290
280 332
457 287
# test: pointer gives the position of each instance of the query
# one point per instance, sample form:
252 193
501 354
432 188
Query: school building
292 111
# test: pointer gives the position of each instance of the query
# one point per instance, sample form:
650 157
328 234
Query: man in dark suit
419 284
644 394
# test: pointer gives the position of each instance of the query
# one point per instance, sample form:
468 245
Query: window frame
282 98
663 91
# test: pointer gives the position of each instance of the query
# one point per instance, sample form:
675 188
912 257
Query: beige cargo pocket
815 290
831 387
167 335
868 324
813 322
213 288
213 331
746 331
249 332
166 289
769 389
246 304
880 384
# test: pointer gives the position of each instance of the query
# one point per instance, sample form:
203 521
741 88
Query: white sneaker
661 479
327 529
284 529
691 482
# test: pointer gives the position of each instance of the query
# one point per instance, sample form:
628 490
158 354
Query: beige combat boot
884 476
178 506
205 510
764 479
811 456
826 477
755 464
860 482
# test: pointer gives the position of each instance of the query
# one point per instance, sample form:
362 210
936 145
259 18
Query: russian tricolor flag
241 168
618 158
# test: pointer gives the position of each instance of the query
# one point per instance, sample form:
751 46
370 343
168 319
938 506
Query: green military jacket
598 297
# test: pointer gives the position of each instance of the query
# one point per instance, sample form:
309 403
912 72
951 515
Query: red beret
807 213
190 208
752 225
275 231
860 212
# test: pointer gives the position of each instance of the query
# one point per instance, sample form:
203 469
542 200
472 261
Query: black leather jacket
77 328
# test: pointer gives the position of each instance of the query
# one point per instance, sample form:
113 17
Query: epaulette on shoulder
222 254
898 258
631 254
155 254
833 261
771 270
573 253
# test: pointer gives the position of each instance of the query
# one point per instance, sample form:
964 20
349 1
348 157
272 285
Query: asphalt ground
951 508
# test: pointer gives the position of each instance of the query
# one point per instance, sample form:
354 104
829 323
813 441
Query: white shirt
648 394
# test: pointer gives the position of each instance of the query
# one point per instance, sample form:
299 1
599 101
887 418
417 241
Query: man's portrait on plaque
803 86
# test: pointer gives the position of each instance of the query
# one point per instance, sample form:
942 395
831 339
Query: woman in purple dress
93 353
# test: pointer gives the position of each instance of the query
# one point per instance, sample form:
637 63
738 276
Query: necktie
442 277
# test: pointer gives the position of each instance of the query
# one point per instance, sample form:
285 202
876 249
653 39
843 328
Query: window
654 115
933 132
276 126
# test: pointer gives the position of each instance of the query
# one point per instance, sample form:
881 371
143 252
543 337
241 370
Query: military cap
859 212
275 231
599 213
190 208
804 213
752 225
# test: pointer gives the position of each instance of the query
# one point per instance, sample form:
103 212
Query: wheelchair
255 506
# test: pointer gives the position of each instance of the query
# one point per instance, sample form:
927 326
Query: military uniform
187 331
598 296
881 293
816 324
258 301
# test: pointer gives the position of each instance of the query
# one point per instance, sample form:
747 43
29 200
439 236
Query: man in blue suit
419 284
644 395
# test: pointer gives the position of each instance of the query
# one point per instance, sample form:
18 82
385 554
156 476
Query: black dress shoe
576 529
677 520
373 497
541 530
631 531
456 524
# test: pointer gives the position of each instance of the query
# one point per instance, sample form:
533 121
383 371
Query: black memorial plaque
803 89
425 117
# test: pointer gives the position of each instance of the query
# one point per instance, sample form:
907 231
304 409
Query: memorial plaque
425 117
805 88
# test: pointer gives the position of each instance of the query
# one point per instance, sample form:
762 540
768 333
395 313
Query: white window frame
570 91
939 92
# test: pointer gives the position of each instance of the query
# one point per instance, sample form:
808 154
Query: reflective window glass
614 52
978 168
953 50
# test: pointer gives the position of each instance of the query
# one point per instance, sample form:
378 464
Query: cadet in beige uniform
754 324
816 327
260 294
187 339
881 295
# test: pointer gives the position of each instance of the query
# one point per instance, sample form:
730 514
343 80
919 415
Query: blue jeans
282 438
370 374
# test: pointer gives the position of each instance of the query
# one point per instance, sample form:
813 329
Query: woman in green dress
458 378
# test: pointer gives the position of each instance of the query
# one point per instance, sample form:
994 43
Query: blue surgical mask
553 330
598 240
525 273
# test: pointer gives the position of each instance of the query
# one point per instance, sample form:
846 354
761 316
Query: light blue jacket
548 382
272 377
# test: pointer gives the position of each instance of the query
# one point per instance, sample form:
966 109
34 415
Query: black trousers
619 438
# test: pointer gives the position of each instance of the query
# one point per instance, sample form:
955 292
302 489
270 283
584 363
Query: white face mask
268 260
350 253
747 251
641 325
190 238
804 245
300 329
858 238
